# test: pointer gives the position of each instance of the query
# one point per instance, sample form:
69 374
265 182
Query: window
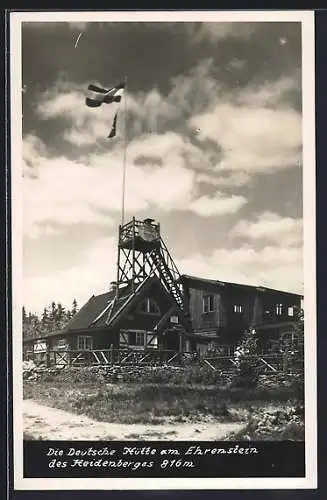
174 319
84 343
149 306
132 338
290 311
238 308
139 339
136 338
279 309
61 344
208 303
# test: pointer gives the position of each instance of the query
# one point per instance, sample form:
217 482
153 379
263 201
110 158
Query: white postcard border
308 99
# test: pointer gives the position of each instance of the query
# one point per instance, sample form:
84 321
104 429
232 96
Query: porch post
181 341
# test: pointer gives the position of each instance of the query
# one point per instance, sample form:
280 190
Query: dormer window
149 306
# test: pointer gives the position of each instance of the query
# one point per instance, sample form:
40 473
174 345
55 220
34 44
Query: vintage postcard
163 247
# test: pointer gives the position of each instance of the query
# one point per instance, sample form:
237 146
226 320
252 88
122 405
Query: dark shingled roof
90 311
102 310
95 313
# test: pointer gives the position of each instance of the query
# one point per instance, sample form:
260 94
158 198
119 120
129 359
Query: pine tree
34 326
60 316
25 323
53 316
74 308
45 319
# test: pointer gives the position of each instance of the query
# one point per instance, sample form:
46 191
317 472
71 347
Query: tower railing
136 228
167 272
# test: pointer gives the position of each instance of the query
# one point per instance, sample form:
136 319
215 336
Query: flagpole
124 157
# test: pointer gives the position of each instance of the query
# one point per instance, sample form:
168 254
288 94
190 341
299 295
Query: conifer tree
45 318
60 316
74 308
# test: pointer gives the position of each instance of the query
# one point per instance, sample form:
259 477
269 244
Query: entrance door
171 340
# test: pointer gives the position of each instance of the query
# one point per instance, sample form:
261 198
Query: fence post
285 362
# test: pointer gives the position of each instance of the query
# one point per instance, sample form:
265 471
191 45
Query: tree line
53 317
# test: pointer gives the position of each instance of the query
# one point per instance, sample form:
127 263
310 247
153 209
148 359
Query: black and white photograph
163 242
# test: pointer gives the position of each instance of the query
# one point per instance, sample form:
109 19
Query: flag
99 95
113 128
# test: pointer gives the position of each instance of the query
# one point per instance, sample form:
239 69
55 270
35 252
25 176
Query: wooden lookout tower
142 253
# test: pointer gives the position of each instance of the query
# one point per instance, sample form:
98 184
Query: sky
214 141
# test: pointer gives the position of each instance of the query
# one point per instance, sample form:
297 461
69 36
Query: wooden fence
269 363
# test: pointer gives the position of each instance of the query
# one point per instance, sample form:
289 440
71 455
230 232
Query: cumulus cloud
33 150
252 139
63 194
277 262
272 227
225 179
255 129
89 191
270 93
219 204
273 266
81 125
254 132
91 275
147 112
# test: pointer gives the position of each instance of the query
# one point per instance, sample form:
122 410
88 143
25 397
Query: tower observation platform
143 253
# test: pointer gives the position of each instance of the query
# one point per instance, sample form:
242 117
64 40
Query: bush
247 361
274 425
292 382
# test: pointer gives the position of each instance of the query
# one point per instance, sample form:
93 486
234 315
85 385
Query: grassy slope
158 396
135 403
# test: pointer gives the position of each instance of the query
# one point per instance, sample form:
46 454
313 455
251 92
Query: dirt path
42 422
